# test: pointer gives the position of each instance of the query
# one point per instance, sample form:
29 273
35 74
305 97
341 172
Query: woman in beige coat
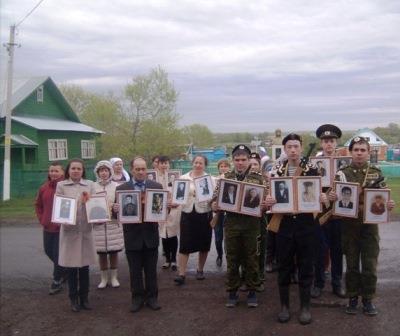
109 239
77 249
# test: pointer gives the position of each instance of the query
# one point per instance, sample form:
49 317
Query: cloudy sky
238 65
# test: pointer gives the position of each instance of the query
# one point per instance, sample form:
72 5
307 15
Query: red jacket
44 205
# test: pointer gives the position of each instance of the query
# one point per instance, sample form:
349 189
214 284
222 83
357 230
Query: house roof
374 139
21 139
45 124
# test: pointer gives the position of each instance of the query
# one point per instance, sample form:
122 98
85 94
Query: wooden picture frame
64 210
229 195
324 166
204 188
347 201
180 191
152 174
130 206
251 197
375 206
308 191
283 190
97 209
156 203
340 162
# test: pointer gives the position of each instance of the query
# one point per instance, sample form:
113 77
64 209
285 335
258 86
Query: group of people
297 242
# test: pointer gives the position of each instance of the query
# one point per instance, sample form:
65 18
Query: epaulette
375 167
230 174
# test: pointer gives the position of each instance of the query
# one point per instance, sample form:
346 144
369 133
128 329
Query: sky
239 66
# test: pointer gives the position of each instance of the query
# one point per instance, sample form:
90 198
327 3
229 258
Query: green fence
186 166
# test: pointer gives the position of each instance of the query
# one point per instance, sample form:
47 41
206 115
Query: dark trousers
261 248
143 261
271 247
219 233
298 248
170 246
51 243
78 282
329 237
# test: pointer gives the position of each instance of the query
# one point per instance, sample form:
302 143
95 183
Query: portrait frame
337 162
373 212
277 150
339 209
204 188
283 206
156 211
173 172
64 210
121 200
100 204
177 199
308 191
247 205
152 174
223 201
327 178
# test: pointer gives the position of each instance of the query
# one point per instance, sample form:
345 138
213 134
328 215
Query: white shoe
166 265
104 279
114 280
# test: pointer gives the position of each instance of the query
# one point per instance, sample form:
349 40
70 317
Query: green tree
198 135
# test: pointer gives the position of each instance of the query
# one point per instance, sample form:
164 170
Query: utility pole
7 136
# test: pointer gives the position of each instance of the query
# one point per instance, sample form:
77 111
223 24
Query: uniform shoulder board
374 167
230 174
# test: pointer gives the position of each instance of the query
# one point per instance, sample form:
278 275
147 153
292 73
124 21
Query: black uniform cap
291 136
357 139
328 131
255 156
241 149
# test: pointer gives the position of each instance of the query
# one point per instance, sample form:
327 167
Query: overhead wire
29 13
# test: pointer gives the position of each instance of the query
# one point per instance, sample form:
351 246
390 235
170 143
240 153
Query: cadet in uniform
296 234
241 234
328 233
360 241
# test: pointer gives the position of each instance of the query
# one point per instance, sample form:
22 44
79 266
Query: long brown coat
77 247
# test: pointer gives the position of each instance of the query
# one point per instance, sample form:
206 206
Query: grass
24 207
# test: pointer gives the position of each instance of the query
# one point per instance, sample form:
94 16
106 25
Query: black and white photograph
282 189
173 174
252 196
277 150
308 193
229 195
324 166
152 174
97 209
156 201
130 210
64 210
204 188
180 191
375 206
340 162
346 204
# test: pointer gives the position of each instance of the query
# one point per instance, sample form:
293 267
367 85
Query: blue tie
140 185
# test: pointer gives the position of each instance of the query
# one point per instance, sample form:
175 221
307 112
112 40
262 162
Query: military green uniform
242 241
359 240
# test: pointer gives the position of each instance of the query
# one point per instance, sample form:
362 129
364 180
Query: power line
26 16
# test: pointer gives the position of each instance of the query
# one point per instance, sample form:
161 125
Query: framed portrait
229 195
375 206
324 166
276 151
346 204
156 205
64 210
172 175
97 209
252 196
308 191
130 209
203 188
340 162
180 191
152 174
282 189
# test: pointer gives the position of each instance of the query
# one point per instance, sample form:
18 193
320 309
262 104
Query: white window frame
57 149
40 94
88 149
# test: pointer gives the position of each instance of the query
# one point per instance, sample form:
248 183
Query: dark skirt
196 232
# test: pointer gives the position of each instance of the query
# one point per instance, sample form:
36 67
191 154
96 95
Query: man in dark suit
281 193
346 196
141 244
180 193
229 193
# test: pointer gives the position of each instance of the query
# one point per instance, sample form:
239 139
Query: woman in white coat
109 239
77 250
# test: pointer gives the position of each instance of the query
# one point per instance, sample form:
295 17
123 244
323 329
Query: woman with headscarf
120 174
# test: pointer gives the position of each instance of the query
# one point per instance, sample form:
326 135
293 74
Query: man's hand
115 207
269 201
214 206
390 205
332 196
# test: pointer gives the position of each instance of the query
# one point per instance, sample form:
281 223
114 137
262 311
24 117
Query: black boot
284 315
75 304
305 314
85 302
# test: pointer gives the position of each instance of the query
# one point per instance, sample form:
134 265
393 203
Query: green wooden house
44 128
